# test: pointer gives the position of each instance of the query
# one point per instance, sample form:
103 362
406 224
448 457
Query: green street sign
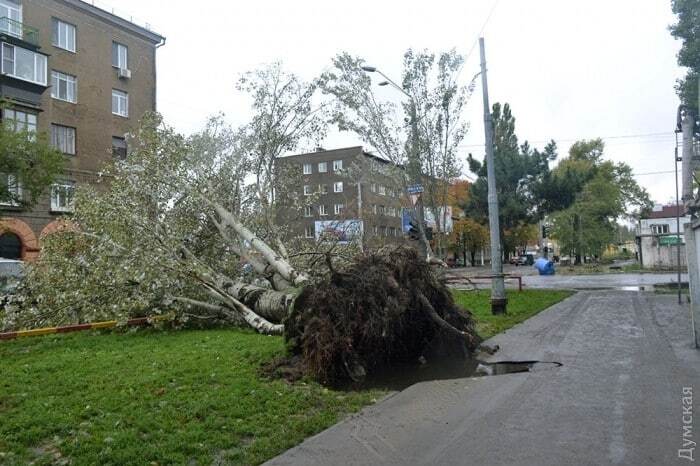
669 240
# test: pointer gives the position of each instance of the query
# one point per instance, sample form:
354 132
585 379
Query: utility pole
498 289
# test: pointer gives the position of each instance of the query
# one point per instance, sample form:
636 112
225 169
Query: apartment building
348 193
85 77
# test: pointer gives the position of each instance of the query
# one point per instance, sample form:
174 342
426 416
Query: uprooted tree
185 226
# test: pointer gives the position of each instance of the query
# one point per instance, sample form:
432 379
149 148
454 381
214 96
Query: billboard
342 231
445 224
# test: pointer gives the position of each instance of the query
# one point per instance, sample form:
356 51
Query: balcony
19 30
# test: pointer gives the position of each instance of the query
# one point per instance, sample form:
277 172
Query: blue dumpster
544 266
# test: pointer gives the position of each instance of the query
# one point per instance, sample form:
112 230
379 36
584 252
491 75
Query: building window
381 210
659 229
120 103
62 196
391 211
337 165
118 147
338 187
323 188
18 120
120 56
64 86
374 209
10 184
307 169
23 64
322 210
307 190
338 209
63 138
382 190
373 187
63 35
307 211
309 232
323 167
13 12
376 230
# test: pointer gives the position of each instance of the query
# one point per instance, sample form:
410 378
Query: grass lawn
148 397
521 306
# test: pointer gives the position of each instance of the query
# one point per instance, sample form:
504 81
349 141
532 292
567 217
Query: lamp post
414 166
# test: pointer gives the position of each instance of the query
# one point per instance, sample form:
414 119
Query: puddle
403 377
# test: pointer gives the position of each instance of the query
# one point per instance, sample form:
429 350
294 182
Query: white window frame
307 190
382 190
16 187
122 97
38 78
338 187
309 232
122 58
307 169
14 29
308 211
338 209
322 211
658 229
63 39
25 123
71 86
337 165
60 201
374 209
68 146
323 167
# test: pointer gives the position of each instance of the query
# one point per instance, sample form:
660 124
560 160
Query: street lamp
414 160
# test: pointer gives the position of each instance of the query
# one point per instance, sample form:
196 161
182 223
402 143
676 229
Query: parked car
11 272
525 259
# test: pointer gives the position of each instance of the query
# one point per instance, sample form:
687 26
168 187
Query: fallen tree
177 230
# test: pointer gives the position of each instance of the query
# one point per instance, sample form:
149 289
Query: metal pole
498 291
678 226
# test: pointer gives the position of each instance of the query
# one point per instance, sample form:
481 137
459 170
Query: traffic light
546 229
413 230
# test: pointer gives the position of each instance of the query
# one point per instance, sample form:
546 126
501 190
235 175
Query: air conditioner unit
124 73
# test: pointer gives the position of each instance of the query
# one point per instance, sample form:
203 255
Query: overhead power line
668 134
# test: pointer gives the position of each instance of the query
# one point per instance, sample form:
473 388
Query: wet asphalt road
615 400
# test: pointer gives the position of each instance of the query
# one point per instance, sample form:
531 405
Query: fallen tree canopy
383 309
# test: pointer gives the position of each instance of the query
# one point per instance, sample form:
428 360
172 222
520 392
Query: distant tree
28 165
468 237
520 170
595 194
433 111
687 30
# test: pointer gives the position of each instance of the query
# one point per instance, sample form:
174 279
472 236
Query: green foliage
521 306
31 162
520 171
686 29
593 195
187 397
468 237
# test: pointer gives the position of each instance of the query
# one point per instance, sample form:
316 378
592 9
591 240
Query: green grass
521 306
147 397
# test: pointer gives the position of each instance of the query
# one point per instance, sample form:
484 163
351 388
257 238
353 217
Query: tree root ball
385 309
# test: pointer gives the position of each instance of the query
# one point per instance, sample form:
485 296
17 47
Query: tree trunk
270 304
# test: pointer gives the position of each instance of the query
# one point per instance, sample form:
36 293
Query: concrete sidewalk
616 400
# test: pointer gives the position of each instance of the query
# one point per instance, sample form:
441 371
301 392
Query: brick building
85 77
348 192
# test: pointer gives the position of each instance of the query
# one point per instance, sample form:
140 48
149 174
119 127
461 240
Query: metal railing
19 30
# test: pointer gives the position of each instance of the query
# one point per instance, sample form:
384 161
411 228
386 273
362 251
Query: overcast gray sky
570 70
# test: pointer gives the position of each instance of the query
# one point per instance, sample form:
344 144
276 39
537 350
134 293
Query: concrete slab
616 400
